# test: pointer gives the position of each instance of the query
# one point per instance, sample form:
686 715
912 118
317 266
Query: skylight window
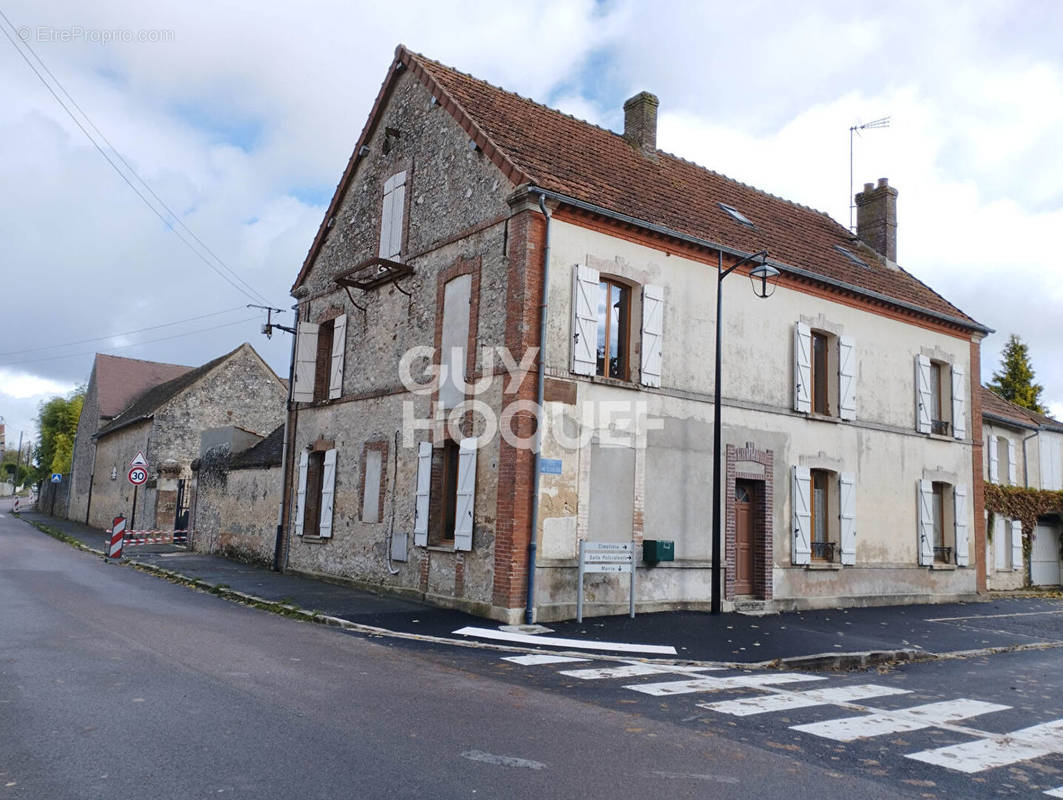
736 215
852 256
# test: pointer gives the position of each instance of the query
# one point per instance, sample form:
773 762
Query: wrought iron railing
943 555
823 551
940 427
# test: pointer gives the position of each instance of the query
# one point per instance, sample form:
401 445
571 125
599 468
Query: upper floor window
391 217
824 373
614 317
940 392
319 357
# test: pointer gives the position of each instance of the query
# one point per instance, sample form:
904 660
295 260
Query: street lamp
759 275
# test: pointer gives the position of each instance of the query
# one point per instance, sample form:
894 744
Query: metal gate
180 521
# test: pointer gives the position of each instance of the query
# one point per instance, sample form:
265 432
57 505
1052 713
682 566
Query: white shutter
1012 467
585 299
391 213
847 505
424 487
339 347
801 549
652 334
846 378
959 516
922 394
926 523
466 495
1016 545
994 461
300 495
328 492
305 363
959 403
1051 468
802 368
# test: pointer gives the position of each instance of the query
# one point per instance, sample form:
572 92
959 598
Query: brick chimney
640 122
876 218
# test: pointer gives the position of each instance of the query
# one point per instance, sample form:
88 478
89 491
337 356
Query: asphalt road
115 684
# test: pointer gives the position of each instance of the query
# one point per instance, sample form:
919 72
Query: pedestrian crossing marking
536 660
1055 792
983 754
711 684
748 706
631 671
847 729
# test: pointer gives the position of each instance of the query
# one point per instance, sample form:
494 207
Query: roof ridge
142 360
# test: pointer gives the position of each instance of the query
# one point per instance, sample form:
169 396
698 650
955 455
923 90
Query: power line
249 291
123 333
134 344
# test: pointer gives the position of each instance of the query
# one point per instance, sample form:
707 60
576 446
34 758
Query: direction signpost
605 557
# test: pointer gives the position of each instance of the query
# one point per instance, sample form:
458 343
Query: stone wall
84 452
113 496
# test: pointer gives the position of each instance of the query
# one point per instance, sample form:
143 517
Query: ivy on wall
1025 505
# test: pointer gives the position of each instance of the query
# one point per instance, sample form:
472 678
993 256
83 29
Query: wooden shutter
305 363
959 517
466 495
1012 466
846 378
926 523
328 492
959 403
994 461
300 495
802 368
585 296
1016 545
801 549
424 488
339 347
652 334
922 394
394 206
847 514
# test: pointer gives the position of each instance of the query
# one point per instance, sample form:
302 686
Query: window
824 373
820 371
942 523
849 254
325 334
391 217
822 547
824 515
940 398
736 215
374 457
939 422
319 355
444 489
317 485
614 313
446 493
942 554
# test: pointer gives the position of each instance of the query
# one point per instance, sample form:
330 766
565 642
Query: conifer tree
1014 381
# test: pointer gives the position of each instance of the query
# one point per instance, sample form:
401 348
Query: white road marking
1055 792
998 751
631 671
847 729
993 616
535 660
747 706
575 644
501 761
710 684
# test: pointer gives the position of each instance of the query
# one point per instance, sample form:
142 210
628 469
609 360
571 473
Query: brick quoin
763 551
527 229
977 481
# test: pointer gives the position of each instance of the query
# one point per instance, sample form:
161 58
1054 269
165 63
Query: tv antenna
883 122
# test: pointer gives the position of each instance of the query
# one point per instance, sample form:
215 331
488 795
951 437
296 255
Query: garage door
1044 557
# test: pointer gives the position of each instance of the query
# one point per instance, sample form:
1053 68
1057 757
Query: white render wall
881 447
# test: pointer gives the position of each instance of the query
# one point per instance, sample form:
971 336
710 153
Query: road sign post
614 558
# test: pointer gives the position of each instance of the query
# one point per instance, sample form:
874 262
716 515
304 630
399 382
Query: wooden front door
745 497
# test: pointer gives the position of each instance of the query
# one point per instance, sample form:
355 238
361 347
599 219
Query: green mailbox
656 550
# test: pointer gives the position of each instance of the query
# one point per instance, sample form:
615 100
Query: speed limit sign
138 476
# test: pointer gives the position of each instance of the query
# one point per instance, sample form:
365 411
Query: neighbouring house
1022 448
237 498
114 383
853 444
165 423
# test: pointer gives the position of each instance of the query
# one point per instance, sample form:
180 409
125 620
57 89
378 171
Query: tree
57 424
26 472
1014 382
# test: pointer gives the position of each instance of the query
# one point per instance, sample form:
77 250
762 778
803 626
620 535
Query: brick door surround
762 521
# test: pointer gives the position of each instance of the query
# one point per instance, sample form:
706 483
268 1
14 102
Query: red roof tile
120 381
997 406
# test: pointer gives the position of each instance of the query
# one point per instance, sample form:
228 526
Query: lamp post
760 275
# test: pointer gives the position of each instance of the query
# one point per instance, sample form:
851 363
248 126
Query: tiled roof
995 405
145 405
266 453
560 153
119 381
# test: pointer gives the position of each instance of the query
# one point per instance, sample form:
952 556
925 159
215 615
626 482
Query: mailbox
655 550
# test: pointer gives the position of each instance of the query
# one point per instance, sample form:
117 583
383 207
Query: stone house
165 423
1022 448
114 383
472 227
237 499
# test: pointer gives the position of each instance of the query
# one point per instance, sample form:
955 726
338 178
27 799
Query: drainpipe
529 608
278 545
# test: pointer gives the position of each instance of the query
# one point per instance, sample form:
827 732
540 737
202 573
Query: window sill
824 417
943 567
818 566
604 381
941 437
444 547
315 539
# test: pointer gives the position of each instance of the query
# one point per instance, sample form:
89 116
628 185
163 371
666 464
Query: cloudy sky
241 117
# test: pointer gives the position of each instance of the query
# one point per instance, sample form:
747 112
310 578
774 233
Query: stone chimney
640 122
876 218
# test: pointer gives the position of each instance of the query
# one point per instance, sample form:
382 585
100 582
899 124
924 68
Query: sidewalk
884 632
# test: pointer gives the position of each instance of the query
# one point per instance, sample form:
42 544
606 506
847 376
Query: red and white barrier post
117 537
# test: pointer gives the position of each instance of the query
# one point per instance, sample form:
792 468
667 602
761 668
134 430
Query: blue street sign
57 477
